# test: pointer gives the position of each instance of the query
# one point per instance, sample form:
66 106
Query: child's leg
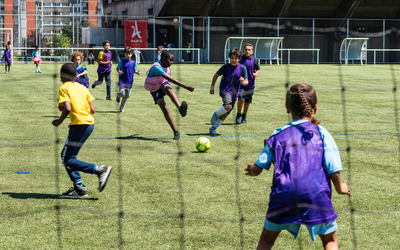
224 116
170 92
126 96
330 241
267 239
99 81
164 108
108 82
240 105
77 136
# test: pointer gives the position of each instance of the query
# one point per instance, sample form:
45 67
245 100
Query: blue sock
94 168
78 182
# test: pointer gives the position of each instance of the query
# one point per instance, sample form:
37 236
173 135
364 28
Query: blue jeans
77 136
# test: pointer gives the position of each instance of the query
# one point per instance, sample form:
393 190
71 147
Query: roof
380 9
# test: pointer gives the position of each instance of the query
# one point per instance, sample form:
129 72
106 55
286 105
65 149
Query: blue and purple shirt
230 83
84 80
304 155
128 67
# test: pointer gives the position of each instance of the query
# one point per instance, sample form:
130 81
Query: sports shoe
93 86
40 71
214 118
238 116
212 131
121 110
118 99
177 136
244 120
77 190
108 98
183 109
103 172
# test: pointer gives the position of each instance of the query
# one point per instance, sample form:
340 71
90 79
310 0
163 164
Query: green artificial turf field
163 194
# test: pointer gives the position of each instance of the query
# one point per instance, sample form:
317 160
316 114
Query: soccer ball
203 144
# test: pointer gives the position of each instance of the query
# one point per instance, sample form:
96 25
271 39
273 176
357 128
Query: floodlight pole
73 23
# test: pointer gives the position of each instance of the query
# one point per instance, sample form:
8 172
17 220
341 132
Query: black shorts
246 94
159 93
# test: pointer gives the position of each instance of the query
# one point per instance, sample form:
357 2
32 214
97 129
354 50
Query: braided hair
301 100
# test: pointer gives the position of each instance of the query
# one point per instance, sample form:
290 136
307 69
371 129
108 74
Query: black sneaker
244 120
177 136
183 109
238 116
77 191
103 172
93 86
108 98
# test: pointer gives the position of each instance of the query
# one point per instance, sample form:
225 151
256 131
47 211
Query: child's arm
64 114
255 74
92 108
137 72
215 77
252 169
169 78
243 81
341 188
81 74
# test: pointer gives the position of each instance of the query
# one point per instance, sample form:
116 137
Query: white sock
221 111
217 124
38 68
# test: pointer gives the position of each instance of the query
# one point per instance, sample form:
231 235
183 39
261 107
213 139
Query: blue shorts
319 229
101 76
159 93
246 94
8 62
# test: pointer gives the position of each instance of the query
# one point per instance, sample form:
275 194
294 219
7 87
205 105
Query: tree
68 29
61 41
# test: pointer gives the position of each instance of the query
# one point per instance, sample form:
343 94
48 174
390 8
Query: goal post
265 48
5 39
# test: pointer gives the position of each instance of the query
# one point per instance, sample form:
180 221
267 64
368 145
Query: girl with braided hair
306 161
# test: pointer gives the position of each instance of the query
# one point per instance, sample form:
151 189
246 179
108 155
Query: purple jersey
301 190
7 55
105 56
128 67
230 83
84 80
249 64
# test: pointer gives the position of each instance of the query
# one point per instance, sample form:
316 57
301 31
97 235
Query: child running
36 58
78 104
81 70
7 58
126 70
158 83
104 60
246 92
306 160
234 75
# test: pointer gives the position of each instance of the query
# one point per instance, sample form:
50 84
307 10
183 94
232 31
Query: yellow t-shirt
79 97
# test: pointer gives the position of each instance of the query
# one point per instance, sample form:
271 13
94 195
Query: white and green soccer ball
203 144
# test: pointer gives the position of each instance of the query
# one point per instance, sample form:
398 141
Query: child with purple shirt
306 160
126 70
104 60
81 70
233 75
246 92
7 58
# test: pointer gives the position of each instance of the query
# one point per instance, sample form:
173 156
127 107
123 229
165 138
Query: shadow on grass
223 124
136 137
201 134
51 116
44 196
108 112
